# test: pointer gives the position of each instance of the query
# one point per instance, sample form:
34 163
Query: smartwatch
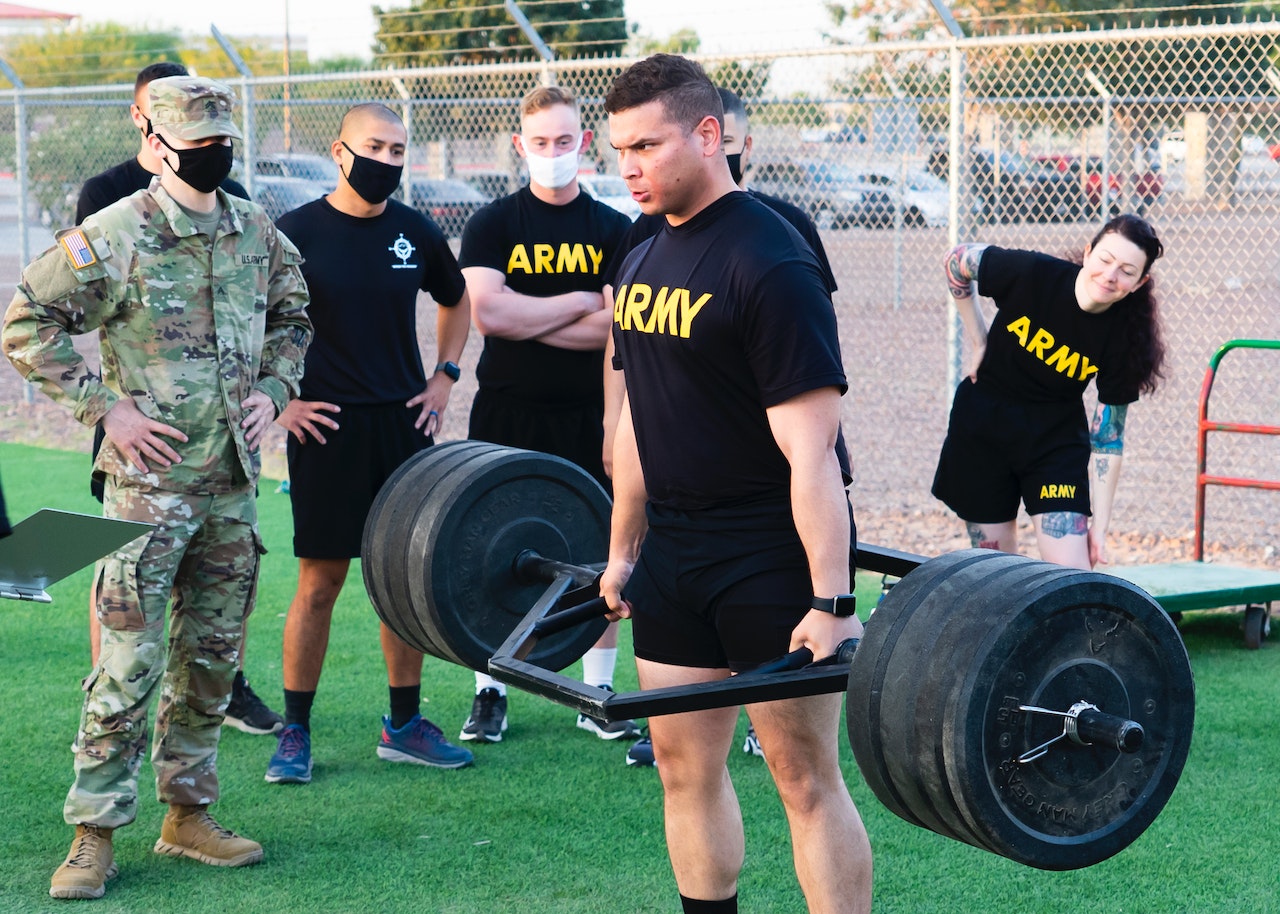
842 605
450 369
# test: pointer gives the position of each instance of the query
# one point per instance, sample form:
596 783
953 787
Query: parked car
280 195
924 197
320 169
1013 189
1146 188
448 201
612 191
490 182
831 194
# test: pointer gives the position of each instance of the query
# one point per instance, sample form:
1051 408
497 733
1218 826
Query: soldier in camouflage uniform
200 308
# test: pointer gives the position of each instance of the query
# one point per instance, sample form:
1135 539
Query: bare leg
702 817
1002 536
306 628
609 638
404 663
1063 538
800 738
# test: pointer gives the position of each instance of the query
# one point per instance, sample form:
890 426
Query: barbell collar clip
1085 725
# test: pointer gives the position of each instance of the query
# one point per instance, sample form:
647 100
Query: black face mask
374 181
204 167
735 166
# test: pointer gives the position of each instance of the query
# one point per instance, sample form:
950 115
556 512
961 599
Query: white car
925 200
612 191
1173 148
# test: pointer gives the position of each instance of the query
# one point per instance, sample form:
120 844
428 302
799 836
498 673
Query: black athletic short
998 451
332 485
572 431
719 588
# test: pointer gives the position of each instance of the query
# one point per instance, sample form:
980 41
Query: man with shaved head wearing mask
366 406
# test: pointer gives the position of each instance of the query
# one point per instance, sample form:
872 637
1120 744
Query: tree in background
878 20
438 32
681 41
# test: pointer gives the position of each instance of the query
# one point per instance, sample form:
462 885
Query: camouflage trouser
204 553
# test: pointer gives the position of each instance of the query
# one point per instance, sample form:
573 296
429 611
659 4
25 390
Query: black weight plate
472 527
430 605
864 704
385 562
984 592
939 642
1087 637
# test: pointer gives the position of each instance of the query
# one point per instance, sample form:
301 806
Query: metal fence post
246 100
20 154
954 177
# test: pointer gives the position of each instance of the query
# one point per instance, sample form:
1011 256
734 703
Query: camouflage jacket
188 327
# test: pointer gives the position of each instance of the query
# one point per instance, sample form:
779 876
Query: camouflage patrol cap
192 107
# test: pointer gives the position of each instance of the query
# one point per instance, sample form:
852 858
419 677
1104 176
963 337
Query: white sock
598 664
485 681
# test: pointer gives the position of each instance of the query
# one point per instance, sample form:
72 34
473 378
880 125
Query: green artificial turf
551 820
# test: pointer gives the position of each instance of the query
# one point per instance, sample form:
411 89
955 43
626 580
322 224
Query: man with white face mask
535 263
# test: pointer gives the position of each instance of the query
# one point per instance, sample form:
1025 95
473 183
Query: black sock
724 906
404 704
238 682
297 708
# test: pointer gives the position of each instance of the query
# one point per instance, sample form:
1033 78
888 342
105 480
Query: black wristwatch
450 369
842 605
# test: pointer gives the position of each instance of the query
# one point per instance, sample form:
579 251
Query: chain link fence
897 151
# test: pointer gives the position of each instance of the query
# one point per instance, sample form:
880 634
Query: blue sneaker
291 763
420 742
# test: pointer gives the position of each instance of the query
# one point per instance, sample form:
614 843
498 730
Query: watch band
843 605
450 369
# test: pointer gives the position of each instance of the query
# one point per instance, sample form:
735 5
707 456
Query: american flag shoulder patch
79 251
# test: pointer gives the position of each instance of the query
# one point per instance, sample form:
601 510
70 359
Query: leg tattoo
1064 523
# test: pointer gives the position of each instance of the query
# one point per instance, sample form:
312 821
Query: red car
1146 189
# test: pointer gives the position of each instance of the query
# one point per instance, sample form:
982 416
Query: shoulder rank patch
78 249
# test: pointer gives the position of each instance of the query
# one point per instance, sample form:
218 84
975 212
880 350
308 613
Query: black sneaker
608 729
247 712
641 753
488 717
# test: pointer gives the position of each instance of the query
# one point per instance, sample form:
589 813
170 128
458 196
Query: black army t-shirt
715 321
1042 347
543 250
364 276
124 179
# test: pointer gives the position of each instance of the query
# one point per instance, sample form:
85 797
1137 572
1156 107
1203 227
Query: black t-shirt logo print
404 250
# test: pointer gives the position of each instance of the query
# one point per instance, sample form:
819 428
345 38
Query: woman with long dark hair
1018 430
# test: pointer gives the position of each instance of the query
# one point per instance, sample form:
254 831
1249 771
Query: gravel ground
893 334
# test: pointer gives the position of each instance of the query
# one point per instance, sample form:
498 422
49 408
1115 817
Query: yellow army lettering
1063 491
1063 360
672 311
568 258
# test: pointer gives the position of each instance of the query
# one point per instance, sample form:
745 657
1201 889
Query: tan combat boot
189 831
87 868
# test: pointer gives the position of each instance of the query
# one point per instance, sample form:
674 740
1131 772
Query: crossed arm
570 320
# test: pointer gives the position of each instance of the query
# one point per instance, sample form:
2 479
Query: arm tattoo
961 267
1064 523
1101 466
1106 432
